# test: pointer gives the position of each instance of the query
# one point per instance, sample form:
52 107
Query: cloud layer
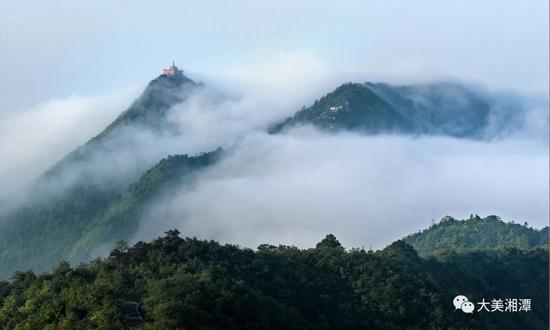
293 188
33 140
368 191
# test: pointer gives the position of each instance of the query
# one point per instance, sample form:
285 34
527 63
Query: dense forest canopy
476 233
182 283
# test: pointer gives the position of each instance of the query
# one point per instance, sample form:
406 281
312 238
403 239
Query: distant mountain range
93 198
447 109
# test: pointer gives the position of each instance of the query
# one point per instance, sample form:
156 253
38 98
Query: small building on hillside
336 108
171 71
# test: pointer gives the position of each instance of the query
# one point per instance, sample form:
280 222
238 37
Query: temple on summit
171 71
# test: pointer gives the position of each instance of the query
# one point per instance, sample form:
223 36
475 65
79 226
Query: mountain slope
349 107
147 112
439 108
188 283
59 205
476 234
150 109
121 218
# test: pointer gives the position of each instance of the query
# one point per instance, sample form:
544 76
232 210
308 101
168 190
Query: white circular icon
467 307
459 300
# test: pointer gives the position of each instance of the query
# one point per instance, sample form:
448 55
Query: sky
56 49
68 68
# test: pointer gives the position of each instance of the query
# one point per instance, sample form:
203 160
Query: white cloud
296 188
33 140
285 80
293 189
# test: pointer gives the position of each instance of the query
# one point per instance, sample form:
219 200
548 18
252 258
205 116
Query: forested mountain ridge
476 233
58 207
439 108
188 283
351 106
121 218
150 108
444 108
147 112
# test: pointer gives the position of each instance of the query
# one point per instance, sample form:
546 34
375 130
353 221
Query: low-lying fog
294 188
368 191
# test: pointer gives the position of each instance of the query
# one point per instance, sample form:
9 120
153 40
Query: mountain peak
351 106
172 75
172 70
168 89
147 111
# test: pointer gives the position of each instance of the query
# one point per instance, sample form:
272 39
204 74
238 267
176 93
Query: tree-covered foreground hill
476 233
185 283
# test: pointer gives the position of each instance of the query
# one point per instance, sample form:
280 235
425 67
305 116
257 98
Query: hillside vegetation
476 233
59 206
121 219
177 283
351 107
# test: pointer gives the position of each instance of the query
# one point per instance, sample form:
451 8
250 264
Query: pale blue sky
54 49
